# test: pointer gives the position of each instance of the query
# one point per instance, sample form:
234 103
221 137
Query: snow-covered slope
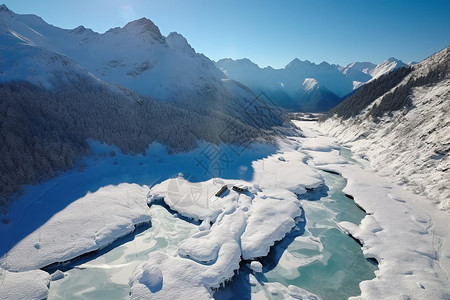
136 56
22 59
358 71
405 132
385 67
363 72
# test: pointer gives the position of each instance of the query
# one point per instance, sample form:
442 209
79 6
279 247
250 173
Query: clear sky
272 32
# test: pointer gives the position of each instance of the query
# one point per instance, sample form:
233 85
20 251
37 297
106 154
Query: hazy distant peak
246 61
359 65
241 62
325 65
225 60
81 29
393 59
5 11
298 63
4 8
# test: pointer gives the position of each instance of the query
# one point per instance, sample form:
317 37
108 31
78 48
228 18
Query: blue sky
272 32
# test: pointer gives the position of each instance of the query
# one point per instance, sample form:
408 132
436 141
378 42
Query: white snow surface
385 67
309 84
410 146
30 285
21 59
406 234
256 266
363 72
88 224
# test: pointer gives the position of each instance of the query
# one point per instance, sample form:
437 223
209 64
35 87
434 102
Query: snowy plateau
354 206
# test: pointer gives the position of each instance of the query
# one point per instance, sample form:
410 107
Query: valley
134 166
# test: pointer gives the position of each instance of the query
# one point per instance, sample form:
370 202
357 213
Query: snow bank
24 285
255 266
248 218
89 223
270 217
405 236
291 174
205 261
190 199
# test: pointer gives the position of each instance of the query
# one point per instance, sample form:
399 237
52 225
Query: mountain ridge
403 130
284 85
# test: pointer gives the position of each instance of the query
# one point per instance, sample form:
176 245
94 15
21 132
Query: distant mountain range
306 86
140 58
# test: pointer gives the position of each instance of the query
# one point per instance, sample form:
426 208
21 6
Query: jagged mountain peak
224 60
179 42
242 62
5 11
359 65
144 26
4 8
298 64
393 59
81 30
295 63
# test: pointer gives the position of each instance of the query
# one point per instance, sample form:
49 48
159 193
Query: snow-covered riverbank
404 232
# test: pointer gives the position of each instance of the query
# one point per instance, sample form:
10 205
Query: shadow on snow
108 166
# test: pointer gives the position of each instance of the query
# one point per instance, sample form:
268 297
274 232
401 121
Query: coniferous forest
43 132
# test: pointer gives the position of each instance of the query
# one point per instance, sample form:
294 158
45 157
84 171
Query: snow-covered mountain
358 71
363 72
21 59
136 56
401 123
286 87
386 67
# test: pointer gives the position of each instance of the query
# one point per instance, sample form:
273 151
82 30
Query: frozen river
316 255
283 237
